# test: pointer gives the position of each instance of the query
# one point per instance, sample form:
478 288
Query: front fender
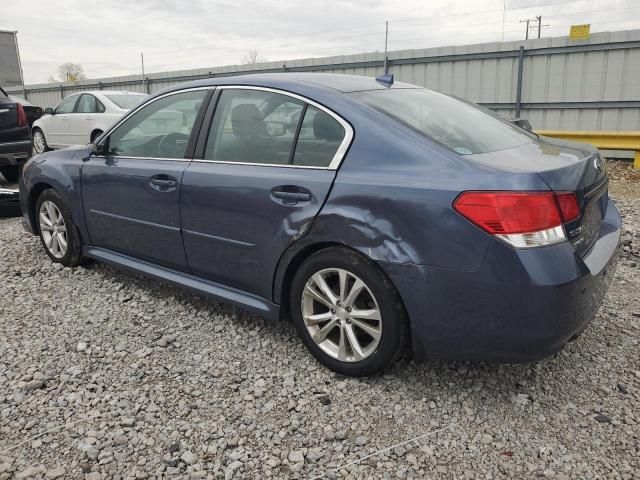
61 171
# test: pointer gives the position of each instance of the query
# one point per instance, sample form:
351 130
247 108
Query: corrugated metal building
565 84
10 72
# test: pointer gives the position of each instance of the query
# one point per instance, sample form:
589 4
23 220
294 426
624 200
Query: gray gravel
105 374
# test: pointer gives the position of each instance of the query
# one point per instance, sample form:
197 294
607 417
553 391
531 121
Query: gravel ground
105 374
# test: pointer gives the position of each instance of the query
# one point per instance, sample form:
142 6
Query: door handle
291 195
163 182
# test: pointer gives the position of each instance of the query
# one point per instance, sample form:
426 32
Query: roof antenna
386 79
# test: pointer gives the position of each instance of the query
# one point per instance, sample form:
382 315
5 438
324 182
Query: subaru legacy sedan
378 217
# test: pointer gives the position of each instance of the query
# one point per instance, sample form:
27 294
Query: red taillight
22 116
509 212
568 204
522 219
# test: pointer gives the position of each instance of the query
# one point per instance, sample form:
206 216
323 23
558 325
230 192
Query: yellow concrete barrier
602 140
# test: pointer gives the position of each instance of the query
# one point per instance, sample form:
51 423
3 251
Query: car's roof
304 80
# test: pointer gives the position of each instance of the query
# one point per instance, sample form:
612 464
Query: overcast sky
107 36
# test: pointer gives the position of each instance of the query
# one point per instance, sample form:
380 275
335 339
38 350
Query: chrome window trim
337 157
333 165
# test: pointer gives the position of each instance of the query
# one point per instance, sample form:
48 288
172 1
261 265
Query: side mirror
275 129
522 123
100 149
49 111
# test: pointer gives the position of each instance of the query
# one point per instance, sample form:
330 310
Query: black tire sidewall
391 309
72 256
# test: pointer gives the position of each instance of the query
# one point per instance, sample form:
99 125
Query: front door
267 168
59 122
131 195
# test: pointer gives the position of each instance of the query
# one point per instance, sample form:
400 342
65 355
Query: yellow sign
580 32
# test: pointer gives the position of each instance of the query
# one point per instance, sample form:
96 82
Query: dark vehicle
33 112
15 137
9 201
373 215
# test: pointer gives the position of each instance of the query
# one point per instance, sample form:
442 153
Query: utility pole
526 33
386 41
540 25
504 16
142 62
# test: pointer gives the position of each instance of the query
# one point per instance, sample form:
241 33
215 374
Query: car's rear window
460 126
127 101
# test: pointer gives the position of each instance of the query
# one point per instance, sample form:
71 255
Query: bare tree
69 72
252 57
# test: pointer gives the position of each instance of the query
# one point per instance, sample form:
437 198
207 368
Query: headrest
326 128
247 121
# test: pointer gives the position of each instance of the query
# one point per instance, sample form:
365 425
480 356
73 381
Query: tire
378 343
39 141
11 173
51 206
95 135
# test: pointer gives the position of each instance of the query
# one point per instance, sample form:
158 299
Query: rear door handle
291 195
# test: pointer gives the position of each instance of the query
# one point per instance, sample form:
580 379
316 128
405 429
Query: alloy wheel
341 314
53 229
38 141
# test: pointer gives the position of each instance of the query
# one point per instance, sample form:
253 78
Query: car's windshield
460 126
127 101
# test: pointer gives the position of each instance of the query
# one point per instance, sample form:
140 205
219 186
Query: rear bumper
9 202
15 153
518 306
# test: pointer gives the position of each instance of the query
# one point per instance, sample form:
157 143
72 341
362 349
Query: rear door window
87 104
253 126
320 138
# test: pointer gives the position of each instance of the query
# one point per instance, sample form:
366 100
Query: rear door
59 124
84 118
131 195
267 162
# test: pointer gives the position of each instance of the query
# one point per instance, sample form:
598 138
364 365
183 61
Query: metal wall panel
606 68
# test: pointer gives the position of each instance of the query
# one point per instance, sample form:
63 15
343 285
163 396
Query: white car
82 117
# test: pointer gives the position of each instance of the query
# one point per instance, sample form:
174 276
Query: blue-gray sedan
375 215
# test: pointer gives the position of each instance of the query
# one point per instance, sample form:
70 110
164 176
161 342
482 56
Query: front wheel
39 142
348 313
57 230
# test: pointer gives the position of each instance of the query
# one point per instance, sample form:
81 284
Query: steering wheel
170 146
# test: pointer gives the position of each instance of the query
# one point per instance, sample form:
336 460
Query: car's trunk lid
564 167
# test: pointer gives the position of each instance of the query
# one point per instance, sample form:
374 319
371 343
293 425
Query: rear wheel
39 142
57 230
11 173
348 313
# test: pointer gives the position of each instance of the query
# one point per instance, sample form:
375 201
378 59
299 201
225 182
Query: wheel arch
32 200
291 262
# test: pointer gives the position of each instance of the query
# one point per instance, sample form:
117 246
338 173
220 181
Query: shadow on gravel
488 378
